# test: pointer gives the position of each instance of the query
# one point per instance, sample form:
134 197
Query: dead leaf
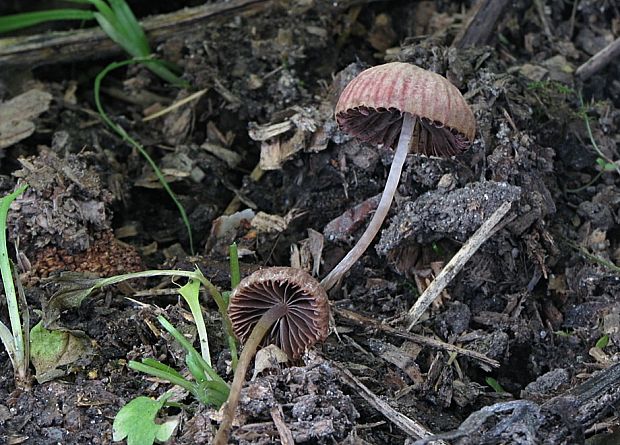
16 115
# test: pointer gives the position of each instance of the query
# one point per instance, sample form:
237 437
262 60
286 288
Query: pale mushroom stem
400 155
261 327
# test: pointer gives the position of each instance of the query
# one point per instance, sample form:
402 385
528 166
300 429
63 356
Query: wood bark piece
481 24
67 46
560 420
599 60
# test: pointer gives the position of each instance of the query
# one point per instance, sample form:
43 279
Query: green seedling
494 384
602 342
208 387
605 164
595 259
114 17
565 334
75 287
136 422
16 340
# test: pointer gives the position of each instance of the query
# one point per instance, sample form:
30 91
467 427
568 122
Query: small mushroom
280 305
424 108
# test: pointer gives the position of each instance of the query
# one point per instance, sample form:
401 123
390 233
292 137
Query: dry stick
540 9
456 264
400 155
481 23
286 437
67 46
407 425
420 339
599 60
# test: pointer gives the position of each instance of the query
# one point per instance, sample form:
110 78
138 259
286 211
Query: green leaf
51 349
136 422
494 384
235 274
132 29
602 342
191 293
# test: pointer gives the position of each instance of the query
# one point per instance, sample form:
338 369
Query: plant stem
19 359
125 136
260 329
400 155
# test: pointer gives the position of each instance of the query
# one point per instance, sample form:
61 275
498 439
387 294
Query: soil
540 297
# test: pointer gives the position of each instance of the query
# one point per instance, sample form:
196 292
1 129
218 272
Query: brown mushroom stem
249 350
400 155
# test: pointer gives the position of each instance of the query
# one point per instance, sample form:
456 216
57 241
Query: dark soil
536 297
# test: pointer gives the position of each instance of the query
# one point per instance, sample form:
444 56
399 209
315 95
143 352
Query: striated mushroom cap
371 106
306 320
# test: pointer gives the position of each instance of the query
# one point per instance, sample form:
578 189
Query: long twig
419 339
455 265
407 425
599 60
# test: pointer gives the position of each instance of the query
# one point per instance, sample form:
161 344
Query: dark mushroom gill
383 127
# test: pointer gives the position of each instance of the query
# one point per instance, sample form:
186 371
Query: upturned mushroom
277 305
423 110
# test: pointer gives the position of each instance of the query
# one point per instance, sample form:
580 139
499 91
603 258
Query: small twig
540 8
419 339
286 437
407 425
599 60
175 105
456 264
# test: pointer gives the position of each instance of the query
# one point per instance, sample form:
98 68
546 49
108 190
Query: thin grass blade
19 21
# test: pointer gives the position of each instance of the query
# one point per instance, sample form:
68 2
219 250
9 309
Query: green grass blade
235 274
19 21
9 343
121 132
162 374
118 35
161 366
9 287
130 24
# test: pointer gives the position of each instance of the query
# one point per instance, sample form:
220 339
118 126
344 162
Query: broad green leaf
50 350
136 422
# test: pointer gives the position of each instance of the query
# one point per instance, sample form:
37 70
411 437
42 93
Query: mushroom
280 305
428 112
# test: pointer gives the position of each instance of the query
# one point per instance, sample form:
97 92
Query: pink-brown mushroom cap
306 320
371 105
